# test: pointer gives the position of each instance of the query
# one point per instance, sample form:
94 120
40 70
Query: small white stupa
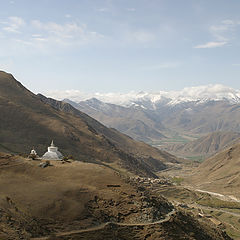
33 154
52 153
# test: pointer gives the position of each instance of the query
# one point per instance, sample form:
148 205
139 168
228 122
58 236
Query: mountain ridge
154 126
150 100
27 121
206 145
134 122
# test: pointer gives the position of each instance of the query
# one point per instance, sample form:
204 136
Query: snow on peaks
215 92
198 94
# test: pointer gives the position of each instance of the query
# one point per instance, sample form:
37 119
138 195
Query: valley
119 120
110 185
221 207
189 127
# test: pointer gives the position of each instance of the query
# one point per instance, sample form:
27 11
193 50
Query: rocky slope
60 201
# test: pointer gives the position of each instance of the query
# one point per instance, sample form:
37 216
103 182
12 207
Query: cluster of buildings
152 181
51 154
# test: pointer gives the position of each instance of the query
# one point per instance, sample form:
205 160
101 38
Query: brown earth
219 173
70 196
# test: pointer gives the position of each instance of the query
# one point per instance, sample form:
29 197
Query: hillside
134 122
78 200
206 145
26 121
220 173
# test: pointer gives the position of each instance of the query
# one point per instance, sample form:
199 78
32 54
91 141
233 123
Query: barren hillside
27 121
76 200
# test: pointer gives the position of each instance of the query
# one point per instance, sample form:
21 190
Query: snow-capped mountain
146 100
152 117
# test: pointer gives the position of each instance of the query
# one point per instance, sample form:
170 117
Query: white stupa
33 154
52 153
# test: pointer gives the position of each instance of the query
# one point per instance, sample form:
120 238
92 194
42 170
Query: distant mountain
207 117
150 125
28 120
207 145
163 118
136 123
151 100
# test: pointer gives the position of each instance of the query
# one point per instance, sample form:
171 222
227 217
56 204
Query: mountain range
131 121
98 196
173 118
150 100
28 120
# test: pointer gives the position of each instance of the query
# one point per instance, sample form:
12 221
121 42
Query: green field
200 158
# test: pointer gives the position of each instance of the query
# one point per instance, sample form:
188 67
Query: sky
120 45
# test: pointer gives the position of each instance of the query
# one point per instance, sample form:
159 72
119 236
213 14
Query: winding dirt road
102 226
217 195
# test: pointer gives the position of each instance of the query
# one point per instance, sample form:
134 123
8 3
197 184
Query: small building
52 153
33 154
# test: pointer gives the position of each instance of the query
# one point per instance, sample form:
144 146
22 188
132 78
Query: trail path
217 195
195 205
102 226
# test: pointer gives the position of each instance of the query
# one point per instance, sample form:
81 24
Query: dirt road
102 226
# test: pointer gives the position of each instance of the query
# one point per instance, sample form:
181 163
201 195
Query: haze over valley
179 122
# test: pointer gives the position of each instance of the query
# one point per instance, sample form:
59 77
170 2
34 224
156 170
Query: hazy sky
120 45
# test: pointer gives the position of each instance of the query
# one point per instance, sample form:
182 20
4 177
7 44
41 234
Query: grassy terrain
231 223
200 158
6 149
175 139
217 203
177 180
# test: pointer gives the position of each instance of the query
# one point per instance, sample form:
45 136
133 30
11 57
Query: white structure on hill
33 152
52 153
